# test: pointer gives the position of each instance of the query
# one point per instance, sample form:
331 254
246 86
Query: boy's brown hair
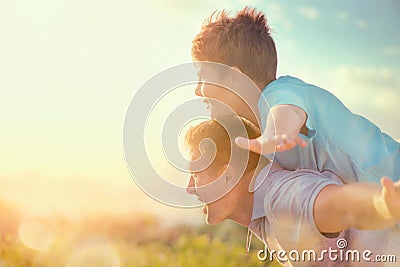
243 41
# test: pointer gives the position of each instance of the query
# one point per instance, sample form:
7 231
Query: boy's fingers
265 146
285 145
388 186
279 143
397 184
289 144
300 141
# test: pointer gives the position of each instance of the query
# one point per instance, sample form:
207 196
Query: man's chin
204 209
210 220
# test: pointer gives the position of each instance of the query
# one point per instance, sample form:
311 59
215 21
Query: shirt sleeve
283 97
296 157
289 206
277 96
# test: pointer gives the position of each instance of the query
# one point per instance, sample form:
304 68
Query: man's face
217 87
211 188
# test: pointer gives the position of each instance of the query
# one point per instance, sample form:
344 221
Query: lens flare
36 235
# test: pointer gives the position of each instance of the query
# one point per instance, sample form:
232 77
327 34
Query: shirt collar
261 185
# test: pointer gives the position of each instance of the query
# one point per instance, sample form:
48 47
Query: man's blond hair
216 131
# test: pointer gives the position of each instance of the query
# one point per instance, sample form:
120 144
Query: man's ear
235 72
230 175
235 69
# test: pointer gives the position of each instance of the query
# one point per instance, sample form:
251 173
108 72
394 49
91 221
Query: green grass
121 242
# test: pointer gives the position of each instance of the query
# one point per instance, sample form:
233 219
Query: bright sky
69 69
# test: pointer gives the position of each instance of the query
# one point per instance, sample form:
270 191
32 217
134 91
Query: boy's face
218 88
210 186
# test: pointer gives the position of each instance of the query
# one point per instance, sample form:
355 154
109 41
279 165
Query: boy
308 127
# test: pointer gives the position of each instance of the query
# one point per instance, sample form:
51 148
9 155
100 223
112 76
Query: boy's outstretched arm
281 132
365 206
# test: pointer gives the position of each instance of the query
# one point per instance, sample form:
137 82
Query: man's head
221 172
243 41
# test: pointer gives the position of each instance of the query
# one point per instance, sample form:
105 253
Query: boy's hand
390 195
281 132
267 145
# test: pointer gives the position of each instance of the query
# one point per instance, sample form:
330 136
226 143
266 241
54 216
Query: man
291 211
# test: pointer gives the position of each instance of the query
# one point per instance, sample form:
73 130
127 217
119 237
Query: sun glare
36 235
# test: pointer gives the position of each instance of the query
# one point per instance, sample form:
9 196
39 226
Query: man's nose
198 89
190 187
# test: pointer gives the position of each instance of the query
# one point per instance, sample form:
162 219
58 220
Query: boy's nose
190 187
198 89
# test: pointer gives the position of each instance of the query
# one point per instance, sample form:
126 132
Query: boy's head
218 165
243 41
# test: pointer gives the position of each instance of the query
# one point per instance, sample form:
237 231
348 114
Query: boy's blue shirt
339 141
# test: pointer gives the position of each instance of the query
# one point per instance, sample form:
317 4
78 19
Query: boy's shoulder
285 87
290 85
286 82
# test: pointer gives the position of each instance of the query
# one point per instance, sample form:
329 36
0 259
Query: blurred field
47 240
